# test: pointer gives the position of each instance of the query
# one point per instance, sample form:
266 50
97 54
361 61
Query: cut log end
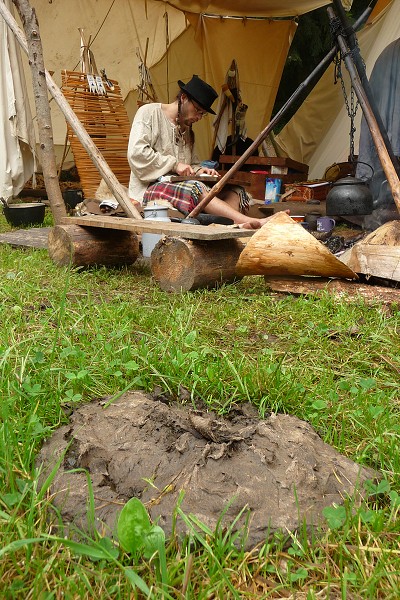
180 265
79 246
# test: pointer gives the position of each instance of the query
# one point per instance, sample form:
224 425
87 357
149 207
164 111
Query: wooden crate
286 169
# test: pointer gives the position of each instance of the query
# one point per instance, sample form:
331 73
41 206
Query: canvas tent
185 37
318 134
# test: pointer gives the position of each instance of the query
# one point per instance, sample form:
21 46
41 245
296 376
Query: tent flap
17 139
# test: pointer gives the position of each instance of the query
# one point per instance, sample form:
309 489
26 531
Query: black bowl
20 215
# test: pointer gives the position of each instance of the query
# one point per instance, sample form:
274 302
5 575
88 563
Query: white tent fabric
318 134
196 44
183 37
17 137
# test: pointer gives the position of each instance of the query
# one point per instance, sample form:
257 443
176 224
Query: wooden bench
186 258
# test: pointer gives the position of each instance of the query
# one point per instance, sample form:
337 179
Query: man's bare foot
255 224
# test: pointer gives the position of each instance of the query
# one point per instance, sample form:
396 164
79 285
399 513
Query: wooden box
308 190
257 169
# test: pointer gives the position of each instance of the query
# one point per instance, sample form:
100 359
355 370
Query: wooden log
77 246
378 254
284 247
181 265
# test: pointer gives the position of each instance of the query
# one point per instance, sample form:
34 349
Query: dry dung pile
278 467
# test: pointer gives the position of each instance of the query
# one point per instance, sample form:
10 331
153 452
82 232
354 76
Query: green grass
68 336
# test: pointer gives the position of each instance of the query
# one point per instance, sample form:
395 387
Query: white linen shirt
155 149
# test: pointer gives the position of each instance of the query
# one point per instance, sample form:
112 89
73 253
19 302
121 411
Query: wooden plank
26 238
191 232
266 161
338 287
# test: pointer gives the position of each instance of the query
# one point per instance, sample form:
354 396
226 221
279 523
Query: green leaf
335 516
394 499
319 405
373 489
93 552
301 573
190 338
136 581
368 383
109 546
131 366
153 540
11 499
133 523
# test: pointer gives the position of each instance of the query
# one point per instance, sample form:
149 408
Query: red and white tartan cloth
185 195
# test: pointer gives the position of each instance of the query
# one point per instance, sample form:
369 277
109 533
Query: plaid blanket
185 195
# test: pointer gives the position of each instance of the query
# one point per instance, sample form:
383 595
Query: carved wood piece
378 254
284 247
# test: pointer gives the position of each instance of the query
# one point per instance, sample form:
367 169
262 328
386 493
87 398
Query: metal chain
352 106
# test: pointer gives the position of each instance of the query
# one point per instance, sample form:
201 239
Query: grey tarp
385 86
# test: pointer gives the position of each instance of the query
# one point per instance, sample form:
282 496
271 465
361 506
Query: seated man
162 142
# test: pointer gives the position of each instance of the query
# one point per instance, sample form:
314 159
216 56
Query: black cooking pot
21 215
349 196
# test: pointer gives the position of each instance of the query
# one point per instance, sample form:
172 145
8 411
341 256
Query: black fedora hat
200 91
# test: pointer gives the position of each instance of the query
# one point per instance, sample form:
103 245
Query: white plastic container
156 213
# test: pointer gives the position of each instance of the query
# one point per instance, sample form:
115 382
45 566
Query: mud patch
137 446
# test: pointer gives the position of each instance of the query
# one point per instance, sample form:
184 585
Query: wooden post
86 141
48 158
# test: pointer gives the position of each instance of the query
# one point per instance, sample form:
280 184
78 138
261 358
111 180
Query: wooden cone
283 247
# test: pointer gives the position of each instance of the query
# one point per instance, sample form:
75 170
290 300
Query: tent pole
382 151
318 70
81 133
350 38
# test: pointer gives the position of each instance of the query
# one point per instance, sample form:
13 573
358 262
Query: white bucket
156 213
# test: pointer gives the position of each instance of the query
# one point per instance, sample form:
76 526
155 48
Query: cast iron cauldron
349 196
21 215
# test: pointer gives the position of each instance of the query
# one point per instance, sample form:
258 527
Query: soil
140 446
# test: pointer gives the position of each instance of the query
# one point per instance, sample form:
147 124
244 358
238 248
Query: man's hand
207 171
183 170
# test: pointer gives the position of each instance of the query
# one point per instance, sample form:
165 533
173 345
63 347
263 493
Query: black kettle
349 196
